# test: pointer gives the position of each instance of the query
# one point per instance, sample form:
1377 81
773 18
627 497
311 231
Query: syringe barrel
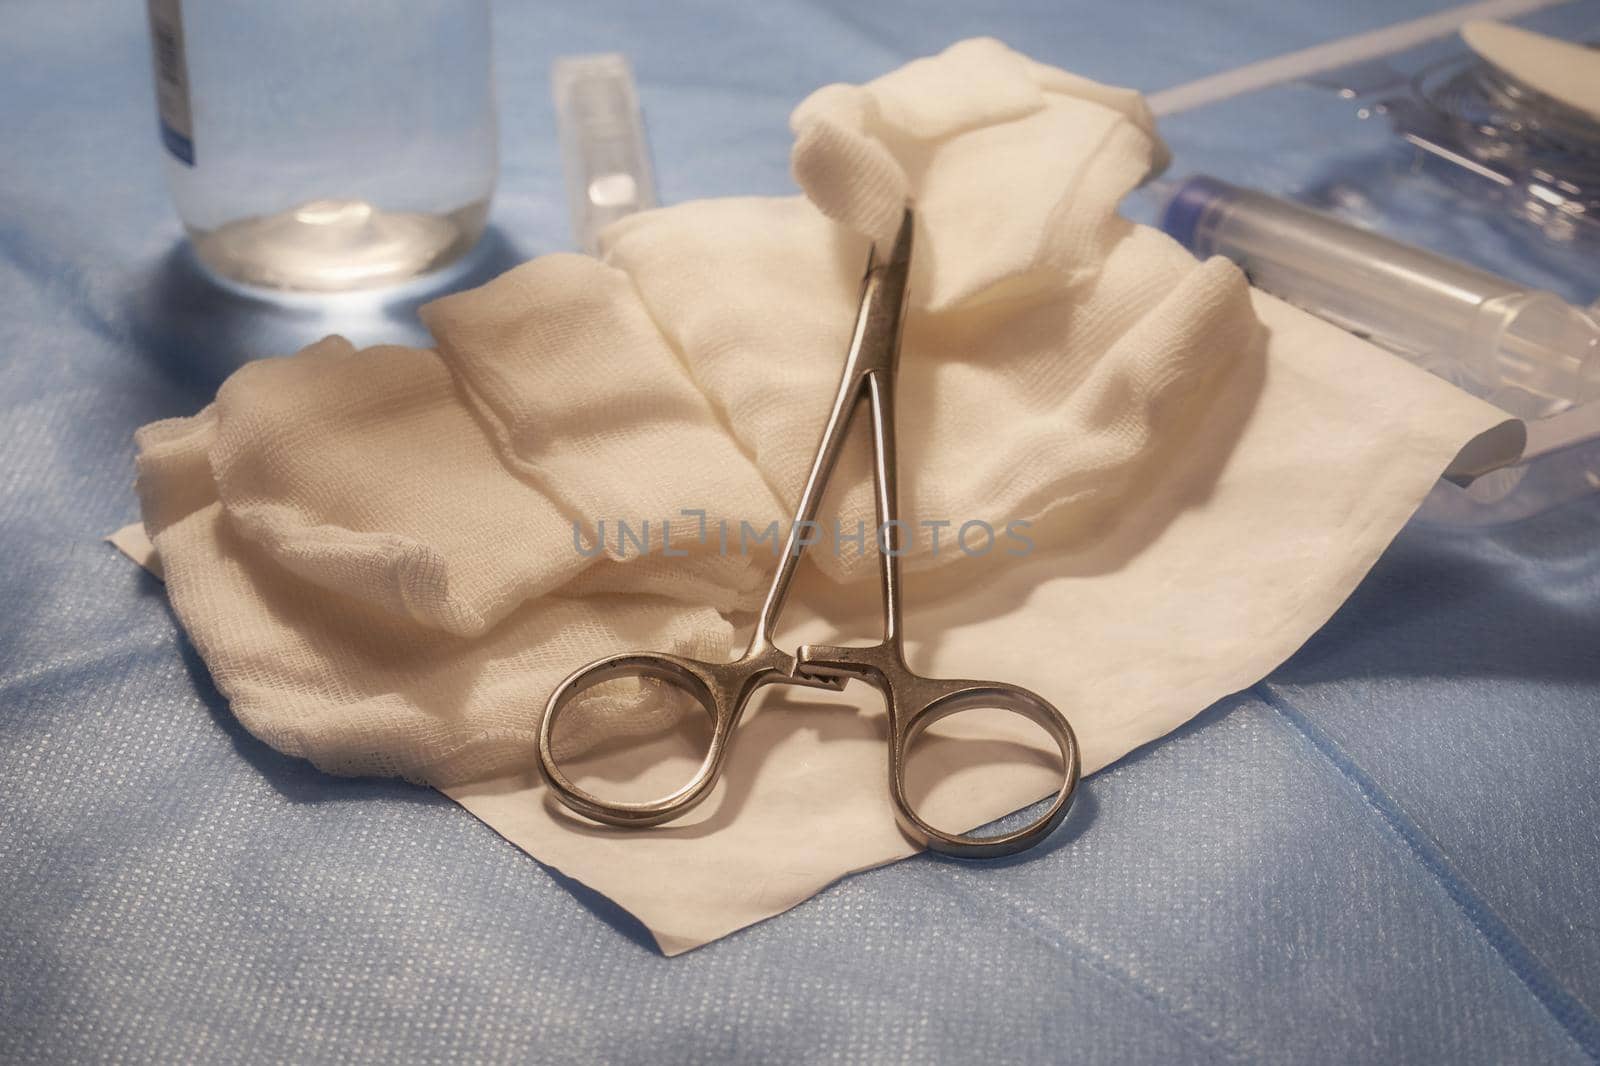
604 154
1452 318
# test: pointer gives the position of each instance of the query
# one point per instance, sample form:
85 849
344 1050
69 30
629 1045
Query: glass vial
321 146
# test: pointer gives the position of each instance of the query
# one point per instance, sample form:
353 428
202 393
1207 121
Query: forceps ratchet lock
913 702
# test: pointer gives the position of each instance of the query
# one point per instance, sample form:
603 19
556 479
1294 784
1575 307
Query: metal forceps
913 702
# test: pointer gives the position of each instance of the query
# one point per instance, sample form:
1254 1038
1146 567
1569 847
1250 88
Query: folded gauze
1132 485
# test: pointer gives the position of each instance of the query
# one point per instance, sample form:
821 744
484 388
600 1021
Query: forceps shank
869 367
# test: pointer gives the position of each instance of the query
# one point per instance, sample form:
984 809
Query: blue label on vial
177 144
171 68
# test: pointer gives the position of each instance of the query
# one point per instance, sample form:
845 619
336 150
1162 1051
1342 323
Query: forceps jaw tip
894 252
900 248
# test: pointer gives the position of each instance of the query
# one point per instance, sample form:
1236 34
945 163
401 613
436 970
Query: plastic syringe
1521 348
604 153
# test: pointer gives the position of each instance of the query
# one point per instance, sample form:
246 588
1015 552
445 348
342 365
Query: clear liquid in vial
324 147
338 245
